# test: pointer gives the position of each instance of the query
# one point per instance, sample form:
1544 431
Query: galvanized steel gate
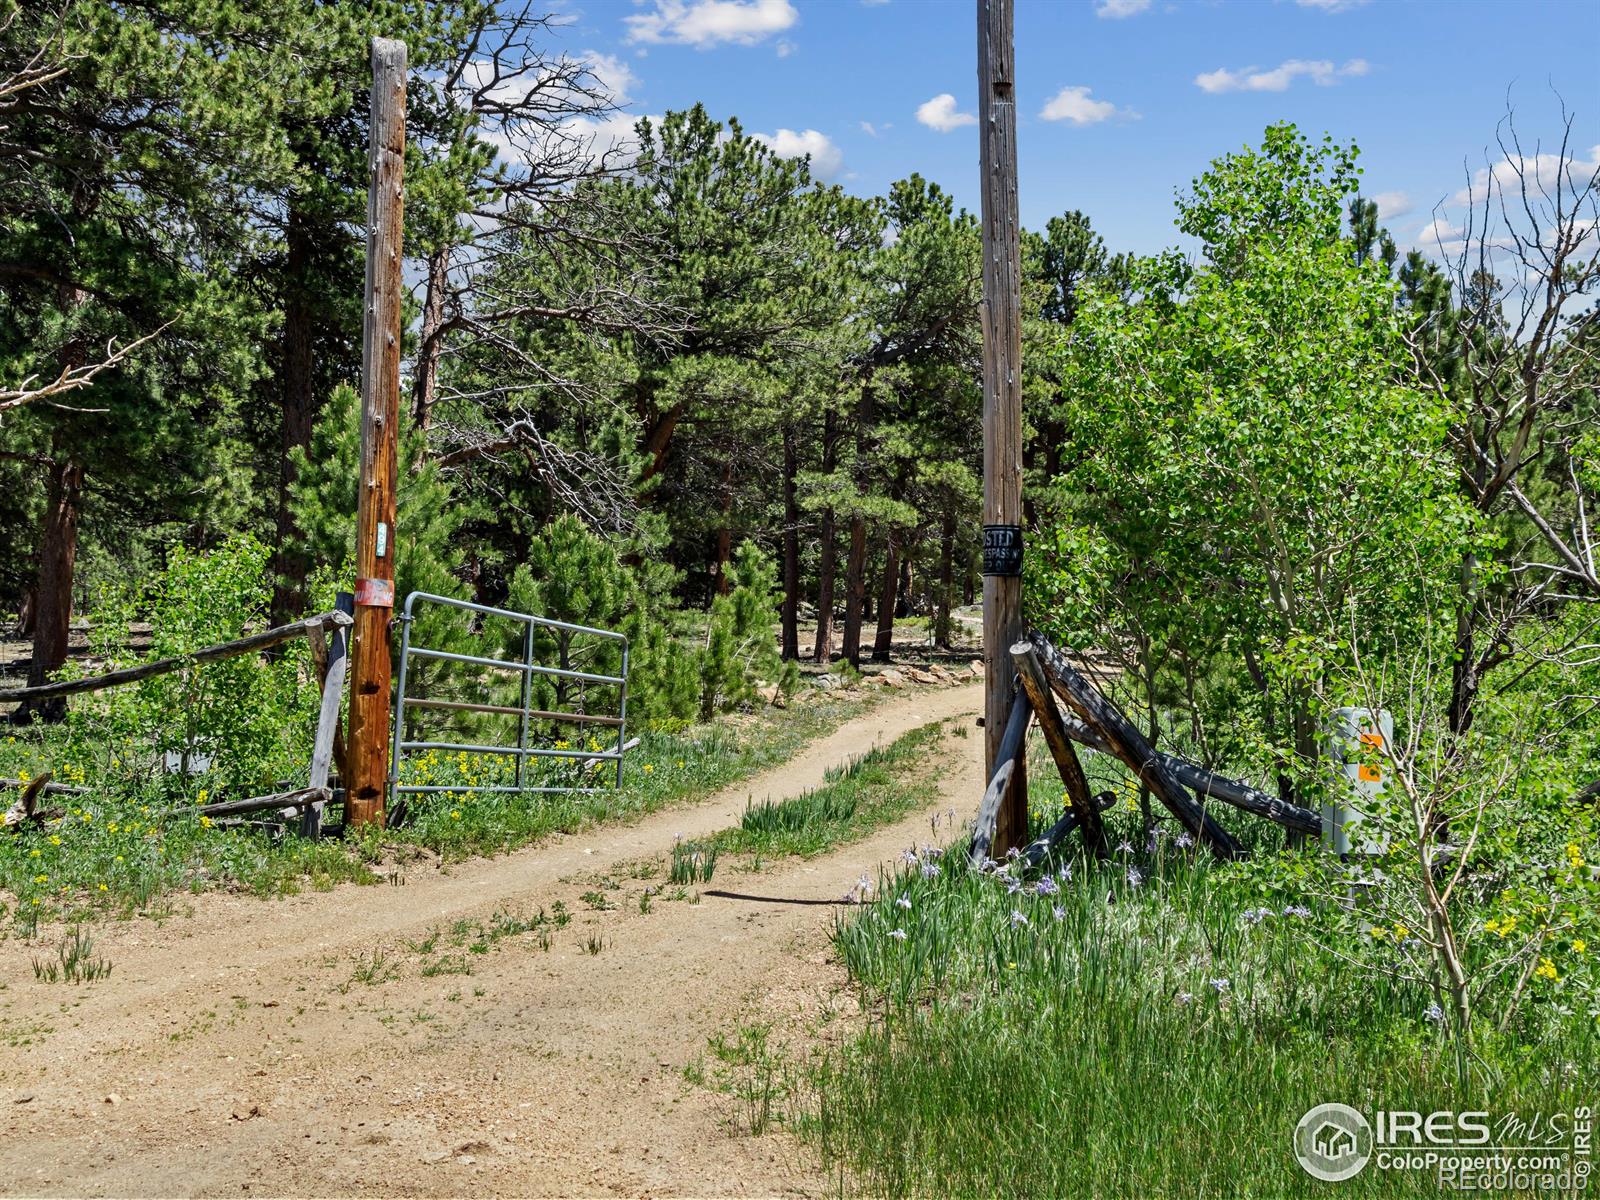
525 712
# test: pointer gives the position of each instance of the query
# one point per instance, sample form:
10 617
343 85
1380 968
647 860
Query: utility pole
1002 399
366 788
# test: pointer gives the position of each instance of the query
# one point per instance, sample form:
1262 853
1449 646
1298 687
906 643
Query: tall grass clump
1153 1025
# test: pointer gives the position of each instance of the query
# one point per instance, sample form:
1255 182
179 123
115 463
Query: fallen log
1012 753
1046 843
290 802
264 640
1206 782
1128 744
1056 737
51 788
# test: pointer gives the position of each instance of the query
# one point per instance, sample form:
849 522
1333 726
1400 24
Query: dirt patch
323 1045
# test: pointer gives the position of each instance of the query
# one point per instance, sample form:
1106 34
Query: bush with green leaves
232 726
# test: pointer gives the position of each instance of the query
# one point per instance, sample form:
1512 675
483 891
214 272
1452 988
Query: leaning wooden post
1059 740
1002 398
380 415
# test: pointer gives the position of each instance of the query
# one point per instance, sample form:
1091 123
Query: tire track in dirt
245 1058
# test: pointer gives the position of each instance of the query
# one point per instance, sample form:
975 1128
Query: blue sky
1120 101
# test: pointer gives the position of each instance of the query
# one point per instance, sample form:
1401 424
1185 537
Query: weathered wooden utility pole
380 416
1002 399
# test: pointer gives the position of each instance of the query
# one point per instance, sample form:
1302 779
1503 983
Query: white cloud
1392 204
1331 6
1248 79
707 23
941 114
615 77
1541 171
871 130
1074 104
826 158
1117 9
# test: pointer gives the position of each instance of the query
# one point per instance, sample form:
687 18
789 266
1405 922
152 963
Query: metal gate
525 713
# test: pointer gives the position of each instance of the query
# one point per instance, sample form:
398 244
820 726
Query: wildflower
41 879
1401 933
903 902
1579 946
1254 916
1184 997
1013 885
1377 931
1296 910
909 858
1546 970
1183 841
864 885
647 768
200 796
1046 887
1124 847
103 888
1017 919
1134 877
1222 986
1065 873
205 822
680 764
1058 912
1435 1013
898 935
455 814
930 870
1013 854
35 852
55 839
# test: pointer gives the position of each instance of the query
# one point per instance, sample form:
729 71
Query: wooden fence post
380 415
1002 399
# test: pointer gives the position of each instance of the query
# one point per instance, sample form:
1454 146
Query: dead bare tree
1515 352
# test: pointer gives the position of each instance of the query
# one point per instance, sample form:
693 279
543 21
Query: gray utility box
1354 736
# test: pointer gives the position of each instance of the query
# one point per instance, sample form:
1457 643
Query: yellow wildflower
41 879
1579 946
55 839
1546 970
455 814
205 822
104 888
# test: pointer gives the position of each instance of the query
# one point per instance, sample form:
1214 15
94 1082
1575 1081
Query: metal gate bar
525 712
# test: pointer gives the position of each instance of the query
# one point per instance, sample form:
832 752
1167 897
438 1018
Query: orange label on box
1368 774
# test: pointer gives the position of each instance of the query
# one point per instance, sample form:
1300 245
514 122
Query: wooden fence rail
254 643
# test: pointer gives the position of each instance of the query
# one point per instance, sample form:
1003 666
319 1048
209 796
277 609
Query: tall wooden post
1002 398
380 416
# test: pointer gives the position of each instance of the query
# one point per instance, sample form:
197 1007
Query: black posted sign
1002 550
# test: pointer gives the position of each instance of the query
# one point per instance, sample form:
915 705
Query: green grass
130 848
1116 1038
871 791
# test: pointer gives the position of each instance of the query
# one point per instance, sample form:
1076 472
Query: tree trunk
855 586
719 571
1464 672
947 580
58 558
791 548
822 653
430 346
855 589
883 643
298 400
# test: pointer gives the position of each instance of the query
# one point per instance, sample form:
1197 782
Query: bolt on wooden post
1002 399
367 787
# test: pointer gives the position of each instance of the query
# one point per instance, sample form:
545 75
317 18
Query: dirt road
296 1047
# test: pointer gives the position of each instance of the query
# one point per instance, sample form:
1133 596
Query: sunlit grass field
1151 1026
